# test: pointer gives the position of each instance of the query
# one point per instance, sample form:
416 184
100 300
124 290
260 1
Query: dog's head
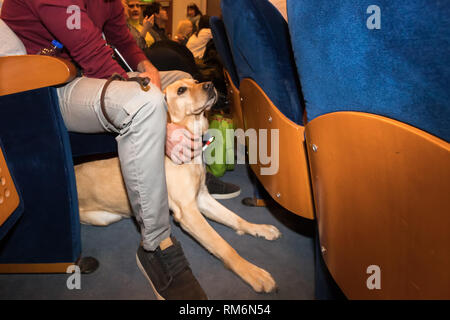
188 97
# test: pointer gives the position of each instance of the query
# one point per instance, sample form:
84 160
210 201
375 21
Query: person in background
194 14
184 31
207 58
140 32
165 55
160 18
198 41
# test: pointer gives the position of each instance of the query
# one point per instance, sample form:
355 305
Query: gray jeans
139 118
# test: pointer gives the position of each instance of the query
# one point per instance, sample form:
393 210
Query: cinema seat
45 236
36 142
378 109
271 96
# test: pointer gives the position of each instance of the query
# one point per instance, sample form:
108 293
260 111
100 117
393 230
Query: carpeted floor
289 259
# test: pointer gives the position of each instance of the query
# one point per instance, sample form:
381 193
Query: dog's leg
196 225
212 209
99 218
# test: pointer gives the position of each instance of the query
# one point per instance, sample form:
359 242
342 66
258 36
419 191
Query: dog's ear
176 111
175 106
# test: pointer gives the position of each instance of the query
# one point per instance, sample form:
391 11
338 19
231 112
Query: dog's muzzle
209 87
212 97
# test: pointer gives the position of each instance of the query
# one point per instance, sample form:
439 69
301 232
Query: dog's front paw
266 231
259 279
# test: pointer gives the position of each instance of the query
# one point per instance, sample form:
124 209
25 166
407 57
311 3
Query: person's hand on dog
181 145
148 70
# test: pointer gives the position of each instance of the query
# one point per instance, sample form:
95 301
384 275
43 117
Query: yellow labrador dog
188 195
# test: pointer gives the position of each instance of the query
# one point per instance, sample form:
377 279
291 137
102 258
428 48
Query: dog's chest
197 171
188 175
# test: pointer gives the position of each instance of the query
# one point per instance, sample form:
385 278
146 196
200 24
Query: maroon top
38 22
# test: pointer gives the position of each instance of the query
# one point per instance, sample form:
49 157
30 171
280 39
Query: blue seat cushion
261 48
220 39
401 71
37 145
86 144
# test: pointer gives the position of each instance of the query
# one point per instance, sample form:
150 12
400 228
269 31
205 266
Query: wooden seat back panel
290 186
381 193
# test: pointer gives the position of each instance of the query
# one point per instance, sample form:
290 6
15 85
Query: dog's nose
208 86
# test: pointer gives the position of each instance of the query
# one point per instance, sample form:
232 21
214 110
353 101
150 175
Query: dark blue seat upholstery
401 71
45 228
36 143
261 48
84 144
220 39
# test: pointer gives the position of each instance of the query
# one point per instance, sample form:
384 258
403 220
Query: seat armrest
28 72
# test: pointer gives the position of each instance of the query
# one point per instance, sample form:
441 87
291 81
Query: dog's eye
181 90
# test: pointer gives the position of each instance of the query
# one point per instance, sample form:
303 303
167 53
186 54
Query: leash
143 82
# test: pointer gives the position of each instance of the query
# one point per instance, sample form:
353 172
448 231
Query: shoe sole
158 296
226 196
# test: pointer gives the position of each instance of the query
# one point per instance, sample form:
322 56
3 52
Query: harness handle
143 82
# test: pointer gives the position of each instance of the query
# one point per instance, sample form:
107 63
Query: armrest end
28 72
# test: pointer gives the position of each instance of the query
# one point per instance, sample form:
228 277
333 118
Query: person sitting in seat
140 32
160 19
184 31
165 55
198 41
207 59
138 117
194 14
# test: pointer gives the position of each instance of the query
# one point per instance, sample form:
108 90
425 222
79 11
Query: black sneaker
169 273
219 189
